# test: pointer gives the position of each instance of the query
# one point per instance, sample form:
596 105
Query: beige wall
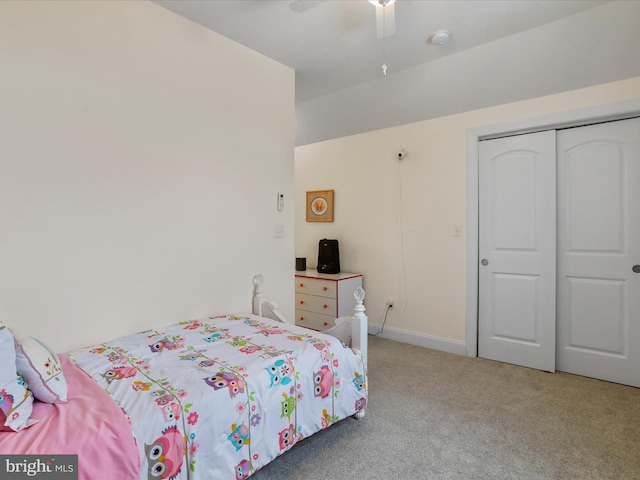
140 162
395 219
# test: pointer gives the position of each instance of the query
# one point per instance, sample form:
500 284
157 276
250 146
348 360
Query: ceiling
500 51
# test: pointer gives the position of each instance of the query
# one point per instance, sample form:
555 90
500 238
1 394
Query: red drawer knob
325 324
325 306
302 284
325 288
301 318
301 302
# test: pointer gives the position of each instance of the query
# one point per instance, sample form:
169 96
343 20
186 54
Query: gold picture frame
320 206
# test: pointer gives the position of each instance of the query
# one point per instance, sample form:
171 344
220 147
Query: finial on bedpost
258 294
360 324
359 295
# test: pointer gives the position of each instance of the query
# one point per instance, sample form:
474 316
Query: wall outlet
389 303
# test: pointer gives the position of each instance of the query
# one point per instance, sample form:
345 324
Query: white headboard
351 330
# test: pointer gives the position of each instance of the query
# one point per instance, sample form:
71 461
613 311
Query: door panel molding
610 340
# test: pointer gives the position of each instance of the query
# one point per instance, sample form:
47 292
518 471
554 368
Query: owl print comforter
220 398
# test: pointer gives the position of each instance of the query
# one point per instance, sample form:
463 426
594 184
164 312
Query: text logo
39 467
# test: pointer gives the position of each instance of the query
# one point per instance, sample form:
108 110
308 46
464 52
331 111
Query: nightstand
323 297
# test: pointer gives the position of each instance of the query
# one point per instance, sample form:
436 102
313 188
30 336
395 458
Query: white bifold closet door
517 250
599 251
588 322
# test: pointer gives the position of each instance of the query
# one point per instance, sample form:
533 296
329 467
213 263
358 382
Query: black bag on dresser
328 256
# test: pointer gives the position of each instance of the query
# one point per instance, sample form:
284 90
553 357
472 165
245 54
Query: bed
218 397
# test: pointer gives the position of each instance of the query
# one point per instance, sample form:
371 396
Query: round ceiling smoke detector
440 37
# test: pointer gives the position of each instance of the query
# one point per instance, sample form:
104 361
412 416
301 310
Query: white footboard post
360 325
258 294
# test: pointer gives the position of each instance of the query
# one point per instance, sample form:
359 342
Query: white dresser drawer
321 298
314 320
315 286
310 303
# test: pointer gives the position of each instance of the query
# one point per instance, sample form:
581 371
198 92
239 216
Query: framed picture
320 206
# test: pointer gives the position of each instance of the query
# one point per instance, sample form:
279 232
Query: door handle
636 269
484 262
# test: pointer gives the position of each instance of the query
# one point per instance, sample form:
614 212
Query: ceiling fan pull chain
384 34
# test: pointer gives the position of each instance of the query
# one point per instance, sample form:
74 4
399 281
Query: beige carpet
433 415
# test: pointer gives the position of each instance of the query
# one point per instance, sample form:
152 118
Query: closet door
517 250
599 251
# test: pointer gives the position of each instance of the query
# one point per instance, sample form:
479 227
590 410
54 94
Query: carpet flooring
434 415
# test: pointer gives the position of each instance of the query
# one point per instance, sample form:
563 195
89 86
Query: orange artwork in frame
320 206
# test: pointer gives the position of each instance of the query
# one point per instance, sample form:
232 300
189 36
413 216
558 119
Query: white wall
140 159
395 219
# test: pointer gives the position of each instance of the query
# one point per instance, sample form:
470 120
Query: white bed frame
351 331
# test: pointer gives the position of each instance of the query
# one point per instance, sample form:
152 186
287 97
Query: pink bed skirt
90 425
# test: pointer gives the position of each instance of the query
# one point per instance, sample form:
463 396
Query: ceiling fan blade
385 20
301 6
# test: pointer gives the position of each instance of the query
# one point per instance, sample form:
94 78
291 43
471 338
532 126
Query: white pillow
16 401
41 369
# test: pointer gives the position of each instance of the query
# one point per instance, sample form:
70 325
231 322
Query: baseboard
428 341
